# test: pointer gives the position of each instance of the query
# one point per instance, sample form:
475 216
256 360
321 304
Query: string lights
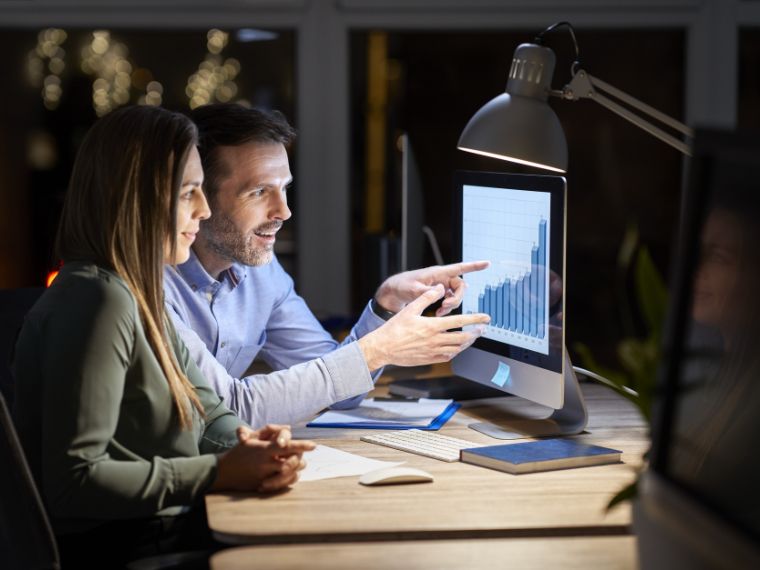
45 64
107 61
154 92
116 78
215 78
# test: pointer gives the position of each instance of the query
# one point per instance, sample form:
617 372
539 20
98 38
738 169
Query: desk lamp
519 126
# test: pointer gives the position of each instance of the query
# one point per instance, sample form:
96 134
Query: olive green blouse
94 411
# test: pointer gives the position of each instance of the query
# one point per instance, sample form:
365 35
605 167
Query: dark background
618 175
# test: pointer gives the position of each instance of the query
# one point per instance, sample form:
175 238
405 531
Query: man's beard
224 239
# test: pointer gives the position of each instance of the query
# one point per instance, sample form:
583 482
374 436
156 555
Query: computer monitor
517 222
412 245
416 236
699 503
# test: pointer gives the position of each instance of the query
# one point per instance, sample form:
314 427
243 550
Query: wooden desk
465 501
577 553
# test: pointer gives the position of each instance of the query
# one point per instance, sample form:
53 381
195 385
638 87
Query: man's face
250 204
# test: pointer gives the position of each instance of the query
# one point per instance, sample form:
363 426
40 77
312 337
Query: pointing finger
464 267
459 321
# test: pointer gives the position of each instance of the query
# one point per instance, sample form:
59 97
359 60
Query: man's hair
120 212
230 124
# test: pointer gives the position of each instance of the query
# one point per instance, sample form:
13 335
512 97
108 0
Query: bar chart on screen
511 229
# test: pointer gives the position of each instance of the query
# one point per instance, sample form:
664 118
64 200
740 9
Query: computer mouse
395 475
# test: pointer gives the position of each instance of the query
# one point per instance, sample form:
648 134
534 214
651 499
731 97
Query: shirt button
224 344
194 287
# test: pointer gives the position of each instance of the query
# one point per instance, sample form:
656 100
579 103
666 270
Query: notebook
541 455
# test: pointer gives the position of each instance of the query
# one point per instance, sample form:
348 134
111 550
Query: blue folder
435 424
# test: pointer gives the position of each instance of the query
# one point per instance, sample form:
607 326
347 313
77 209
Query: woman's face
191 209
717 287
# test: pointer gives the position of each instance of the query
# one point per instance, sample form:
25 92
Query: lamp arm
585 86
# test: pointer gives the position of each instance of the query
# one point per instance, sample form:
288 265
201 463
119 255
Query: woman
121 431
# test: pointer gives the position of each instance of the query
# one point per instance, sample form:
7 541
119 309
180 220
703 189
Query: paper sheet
326 463
370 411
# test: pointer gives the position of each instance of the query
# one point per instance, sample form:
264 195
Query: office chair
26 538
14 305
27 541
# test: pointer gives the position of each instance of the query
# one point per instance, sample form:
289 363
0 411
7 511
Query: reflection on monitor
517 222
700 506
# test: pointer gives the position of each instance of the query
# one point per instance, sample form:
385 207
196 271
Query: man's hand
401 289
409 339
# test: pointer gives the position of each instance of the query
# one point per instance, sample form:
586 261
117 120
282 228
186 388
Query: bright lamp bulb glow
512 159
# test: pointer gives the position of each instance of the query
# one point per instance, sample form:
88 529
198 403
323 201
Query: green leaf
640 359
652 295
632 356
627 493
625 261
628 247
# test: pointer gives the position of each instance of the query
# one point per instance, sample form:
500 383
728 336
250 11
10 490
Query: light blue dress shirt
254 311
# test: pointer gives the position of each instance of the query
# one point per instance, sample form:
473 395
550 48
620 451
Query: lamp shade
519 125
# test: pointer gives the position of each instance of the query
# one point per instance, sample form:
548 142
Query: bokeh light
214 81
46 63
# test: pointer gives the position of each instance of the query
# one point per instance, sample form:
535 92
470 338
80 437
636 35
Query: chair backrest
14 304
26 538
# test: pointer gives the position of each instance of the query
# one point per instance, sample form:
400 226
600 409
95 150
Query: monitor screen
706 426
511 228
517 222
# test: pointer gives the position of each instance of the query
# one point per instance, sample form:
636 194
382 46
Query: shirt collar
194 273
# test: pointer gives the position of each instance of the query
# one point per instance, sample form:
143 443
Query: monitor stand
570 419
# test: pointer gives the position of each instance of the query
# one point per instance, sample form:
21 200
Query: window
63 79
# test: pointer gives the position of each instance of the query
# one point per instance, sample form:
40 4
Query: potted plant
638 355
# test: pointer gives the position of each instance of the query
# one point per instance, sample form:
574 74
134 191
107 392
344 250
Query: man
233 301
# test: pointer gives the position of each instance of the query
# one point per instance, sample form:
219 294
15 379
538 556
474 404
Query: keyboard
429 444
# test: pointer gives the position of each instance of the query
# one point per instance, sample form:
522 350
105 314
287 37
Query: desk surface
577 553
465 501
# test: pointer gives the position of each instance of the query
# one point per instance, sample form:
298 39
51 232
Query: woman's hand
264 461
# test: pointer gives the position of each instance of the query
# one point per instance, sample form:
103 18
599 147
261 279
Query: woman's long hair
120 212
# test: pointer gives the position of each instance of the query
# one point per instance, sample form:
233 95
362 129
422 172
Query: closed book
542 455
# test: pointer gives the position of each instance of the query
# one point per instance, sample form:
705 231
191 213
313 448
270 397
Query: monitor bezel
556 186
